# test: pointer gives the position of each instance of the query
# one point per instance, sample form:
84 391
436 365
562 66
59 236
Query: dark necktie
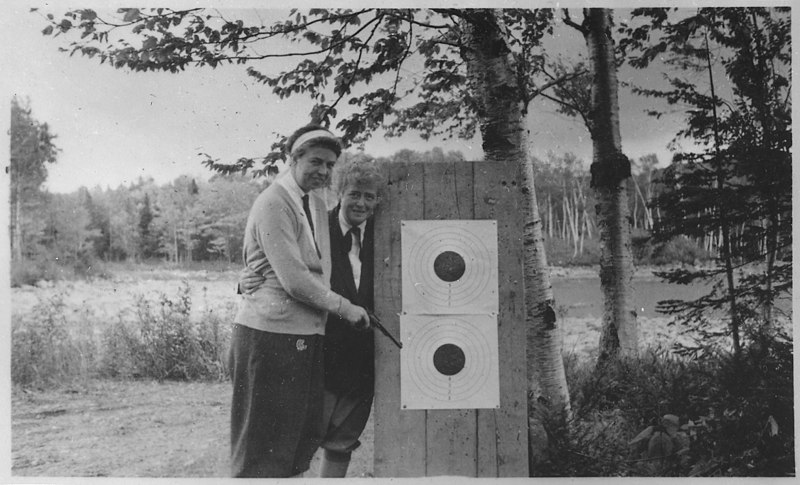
353 233
307 210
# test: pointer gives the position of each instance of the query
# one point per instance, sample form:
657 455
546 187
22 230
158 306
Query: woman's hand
354 315
249 281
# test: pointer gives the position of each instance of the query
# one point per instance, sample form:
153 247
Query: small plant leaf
773 426
642 437
671 423
659 445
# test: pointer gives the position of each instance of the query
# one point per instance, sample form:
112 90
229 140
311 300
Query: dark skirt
276 410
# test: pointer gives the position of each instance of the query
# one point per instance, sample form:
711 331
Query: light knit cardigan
296 295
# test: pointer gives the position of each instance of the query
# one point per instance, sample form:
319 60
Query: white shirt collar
345 226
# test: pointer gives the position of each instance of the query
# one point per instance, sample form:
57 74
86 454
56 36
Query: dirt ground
132 429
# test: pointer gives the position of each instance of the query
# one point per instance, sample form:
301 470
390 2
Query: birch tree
32 147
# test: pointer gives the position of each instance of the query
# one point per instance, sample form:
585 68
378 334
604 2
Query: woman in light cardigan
276 344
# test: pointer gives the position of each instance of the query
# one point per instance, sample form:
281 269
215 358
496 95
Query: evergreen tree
735 188
148 243
99 223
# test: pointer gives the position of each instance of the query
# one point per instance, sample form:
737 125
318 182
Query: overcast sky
114 126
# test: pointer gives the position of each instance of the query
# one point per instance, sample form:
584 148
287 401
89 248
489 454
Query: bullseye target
449 267
449 362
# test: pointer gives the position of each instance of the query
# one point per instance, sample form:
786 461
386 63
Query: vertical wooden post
399 435
503 433
465 442
451 447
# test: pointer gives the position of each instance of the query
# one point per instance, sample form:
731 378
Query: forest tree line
189 220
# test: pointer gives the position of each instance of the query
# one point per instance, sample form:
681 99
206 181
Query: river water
583 298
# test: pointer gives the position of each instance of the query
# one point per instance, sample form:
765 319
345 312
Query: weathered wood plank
485 442
502 433
399 434
452 433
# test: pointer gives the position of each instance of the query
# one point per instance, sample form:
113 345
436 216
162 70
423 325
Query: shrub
747 428
88 266
49 268
642 246
44 351
214 337
561 253
120 346
679 249
659 415
32 271
163 342
154 339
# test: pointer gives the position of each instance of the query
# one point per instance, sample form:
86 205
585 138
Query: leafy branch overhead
399 70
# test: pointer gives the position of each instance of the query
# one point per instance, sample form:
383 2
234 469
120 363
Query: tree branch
556 81
568 21
376 20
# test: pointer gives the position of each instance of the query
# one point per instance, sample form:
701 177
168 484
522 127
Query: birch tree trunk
492 78
610 171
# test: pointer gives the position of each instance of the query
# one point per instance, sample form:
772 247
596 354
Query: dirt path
131 429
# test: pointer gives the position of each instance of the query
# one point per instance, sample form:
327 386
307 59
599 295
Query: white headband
308 136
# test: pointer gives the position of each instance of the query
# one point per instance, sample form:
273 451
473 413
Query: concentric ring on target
453 381
450 266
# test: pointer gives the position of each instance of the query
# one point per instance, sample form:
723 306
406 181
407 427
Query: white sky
114 125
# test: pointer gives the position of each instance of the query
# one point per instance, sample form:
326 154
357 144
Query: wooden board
503 433
399 435
466 442
451 447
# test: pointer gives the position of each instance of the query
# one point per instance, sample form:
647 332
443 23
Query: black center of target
449 266
449 359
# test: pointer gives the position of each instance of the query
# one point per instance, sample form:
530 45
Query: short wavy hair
333 144
356 172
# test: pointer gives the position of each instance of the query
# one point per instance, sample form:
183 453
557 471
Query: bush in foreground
46 350
156 339
658 415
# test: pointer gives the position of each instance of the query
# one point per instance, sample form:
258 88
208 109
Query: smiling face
312 167
358 202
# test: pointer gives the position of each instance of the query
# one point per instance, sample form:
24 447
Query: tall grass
156 338
47 350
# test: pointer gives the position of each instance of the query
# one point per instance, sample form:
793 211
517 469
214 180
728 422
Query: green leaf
48 30
132 15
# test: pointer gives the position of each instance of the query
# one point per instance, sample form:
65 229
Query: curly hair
333 144
357 172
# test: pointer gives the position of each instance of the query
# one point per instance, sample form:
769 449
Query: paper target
449 267
449 362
